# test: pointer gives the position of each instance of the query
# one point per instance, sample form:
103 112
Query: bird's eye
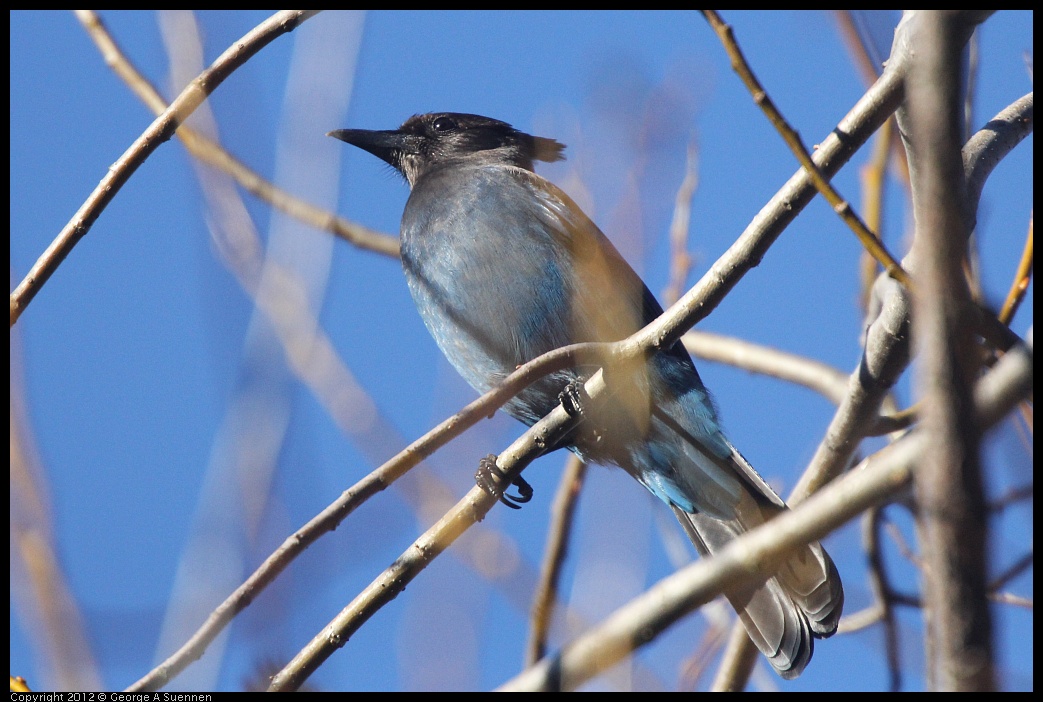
444 124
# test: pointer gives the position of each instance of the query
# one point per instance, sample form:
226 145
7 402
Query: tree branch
158 132
876 480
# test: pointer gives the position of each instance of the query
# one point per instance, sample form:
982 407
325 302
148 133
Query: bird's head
427 141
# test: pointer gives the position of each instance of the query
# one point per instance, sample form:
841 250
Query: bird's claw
573 397
490 478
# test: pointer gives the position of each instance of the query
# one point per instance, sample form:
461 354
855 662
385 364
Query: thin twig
702 655
904 550
1011 599
821 377
869 66
874 177
740 655
985 321
1014 570
1012 496
869 240
833 153
158 132
880 585
862 619
562 514
1022 278
214 154
680 259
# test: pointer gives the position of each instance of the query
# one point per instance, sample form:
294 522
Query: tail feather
783 617
812 580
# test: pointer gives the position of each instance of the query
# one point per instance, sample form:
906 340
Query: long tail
800 603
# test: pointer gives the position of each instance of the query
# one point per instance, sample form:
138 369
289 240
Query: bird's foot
490 478
573 397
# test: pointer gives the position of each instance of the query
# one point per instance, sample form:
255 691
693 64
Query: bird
503 266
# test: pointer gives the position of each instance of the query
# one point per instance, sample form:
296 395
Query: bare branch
951 514
842 207
874 482
210 152
757 358
887 337
562 513
158 132
880 584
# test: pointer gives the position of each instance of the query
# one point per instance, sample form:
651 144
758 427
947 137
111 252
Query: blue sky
176 449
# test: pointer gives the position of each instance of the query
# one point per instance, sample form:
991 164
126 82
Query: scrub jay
503 267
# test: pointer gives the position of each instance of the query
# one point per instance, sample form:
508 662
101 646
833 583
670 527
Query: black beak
386 145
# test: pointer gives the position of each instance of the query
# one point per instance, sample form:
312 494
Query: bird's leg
490 478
